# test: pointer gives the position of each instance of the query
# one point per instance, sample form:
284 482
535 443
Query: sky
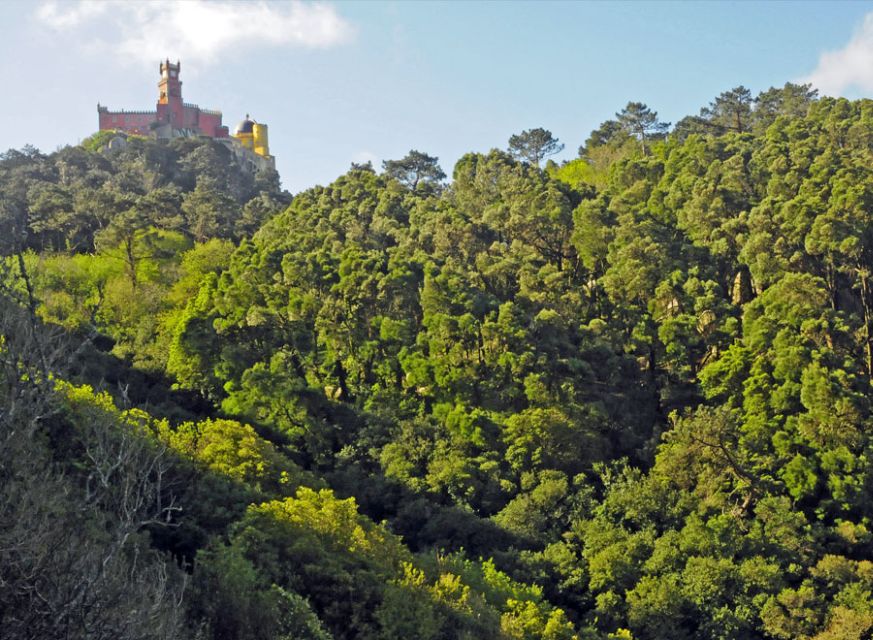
343 82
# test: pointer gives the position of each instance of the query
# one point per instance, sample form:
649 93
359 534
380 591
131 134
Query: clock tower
170 107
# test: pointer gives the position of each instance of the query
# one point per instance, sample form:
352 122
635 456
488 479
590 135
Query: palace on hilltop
174 118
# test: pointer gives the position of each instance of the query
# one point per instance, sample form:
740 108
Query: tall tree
637 120
730 111
416 171
533 145
791 100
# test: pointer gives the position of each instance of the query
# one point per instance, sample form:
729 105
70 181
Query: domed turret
245 126
252 135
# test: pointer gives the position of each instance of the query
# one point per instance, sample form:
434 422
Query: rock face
743 291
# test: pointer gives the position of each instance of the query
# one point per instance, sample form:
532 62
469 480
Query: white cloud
201 29
848 68
71 15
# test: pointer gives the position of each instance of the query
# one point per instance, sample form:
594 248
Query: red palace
172 117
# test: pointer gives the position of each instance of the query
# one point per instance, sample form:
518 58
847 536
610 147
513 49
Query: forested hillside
625 396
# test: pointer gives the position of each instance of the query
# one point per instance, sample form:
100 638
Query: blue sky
341 82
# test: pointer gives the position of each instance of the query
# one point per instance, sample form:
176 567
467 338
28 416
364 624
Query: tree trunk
131 260
865 301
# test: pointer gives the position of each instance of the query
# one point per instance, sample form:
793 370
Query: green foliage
637 382
235 601
112 223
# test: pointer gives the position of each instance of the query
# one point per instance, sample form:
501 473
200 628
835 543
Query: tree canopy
624 396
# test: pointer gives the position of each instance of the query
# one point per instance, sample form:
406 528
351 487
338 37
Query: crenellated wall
137 122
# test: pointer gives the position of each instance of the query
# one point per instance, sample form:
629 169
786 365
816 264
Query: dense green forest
625 396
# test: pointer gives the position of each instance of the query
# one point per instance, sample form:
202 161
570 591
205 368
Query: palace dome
245 126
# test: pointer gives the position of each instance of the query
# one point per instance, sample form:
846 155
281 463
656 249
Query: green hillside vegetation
625 396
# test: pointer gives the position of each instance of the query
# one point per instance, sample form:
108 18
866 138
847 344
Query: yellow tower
261 143
253 136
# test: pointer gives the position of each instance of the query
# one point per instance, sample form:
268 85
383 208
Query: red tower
170 106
